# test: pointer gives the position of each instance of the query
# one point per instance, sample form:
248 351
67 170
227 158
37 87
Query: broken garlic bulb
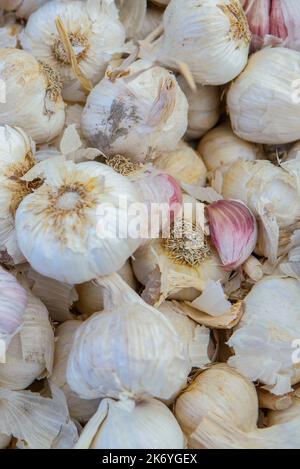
32 95
211 37
137 113
132 332
75 226
129 425
204 108
30 353
92 28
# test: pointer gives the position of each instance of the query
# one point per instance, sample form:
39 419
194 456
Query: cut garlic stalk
32 95
157 361
136 112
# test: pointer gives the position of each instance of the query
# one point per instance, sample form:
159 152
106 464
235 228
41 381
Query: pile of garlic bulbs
149 224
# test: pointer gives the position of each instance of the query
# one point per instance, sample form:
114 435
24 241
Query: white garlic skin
263 102
137 116
93 26
207 37
31 101
204 108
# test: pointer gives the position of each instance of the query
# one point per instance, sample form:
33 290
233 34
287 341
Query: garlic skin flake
74 215
132 332
211 37
17 156
138 113
93 28
263 102
32 95
263 340
129 425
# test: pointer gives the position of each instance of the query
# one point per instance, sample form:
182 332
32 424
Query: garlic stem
272 402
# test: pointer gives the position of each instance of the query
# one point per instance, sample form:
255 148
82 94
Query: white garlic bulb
127 331
92 27
129 425
220 148
263 341
132 15
68 228
80 409
22 8
178 265
263 101
30 353
212 37
17 156
152 20
184 164
263 186
197 337
32 95
137 114
204 108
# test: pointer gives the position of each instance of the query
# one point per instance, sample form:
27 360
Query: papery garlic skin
204 108
157 362
137 114
17 156
233 230
80 409
184 164
263 341
128 425
93 28
220 147
212 38
80 206
22 8
32 95
263 101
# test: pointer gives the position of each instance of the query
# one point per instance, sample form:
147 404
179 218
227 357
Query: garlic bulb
32 95
132 15
211 37
9 33
30 353
219 410
220 147
17 156
80 409
128 425
263 341
263 102
22 8
77 214
90 294
152 20
197 337
204 108
132 332
4 440
184 164
178 265
262 185
138 113
92 28
293 152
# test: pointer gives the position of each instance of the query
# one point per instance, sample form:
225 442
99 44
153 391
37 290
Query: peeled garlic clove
220 147
204 108
139 113
94 31
83 200
272 74
32 95
233 230
211 37
263 341
30 353
184 164
128 329
80 409
128 425
197 337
